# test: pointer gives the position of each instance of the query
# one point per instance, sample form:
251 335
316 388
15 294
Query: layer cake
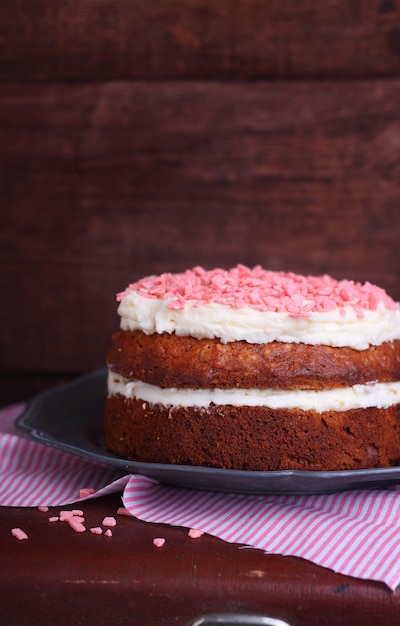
256 370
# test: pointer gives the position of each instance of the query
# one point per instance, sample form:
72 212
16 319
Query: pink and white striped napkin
355 532
32 474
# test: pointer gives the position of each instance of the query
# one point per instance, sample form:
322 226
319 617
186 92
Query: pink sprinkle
65 516
76 525
19 534
108 532
44 509
261 290
195 534
109 521
96 530
54 519
123 511
158 542
77 518
86 491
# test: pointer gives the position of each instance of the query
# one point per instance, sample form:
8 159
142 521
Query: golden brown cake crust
251 438
169 361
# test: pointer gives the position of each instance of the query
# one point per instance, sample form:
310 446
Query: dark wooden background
140 137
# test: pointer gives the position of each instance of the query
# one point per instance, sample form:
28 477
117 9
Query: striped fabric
33 475
355 533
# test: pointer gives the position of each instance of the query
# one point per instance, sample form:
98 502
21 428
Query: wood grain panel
198 39
105 183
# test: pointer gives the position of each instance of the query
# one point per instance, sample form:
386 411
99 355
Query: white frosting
338 328
380 395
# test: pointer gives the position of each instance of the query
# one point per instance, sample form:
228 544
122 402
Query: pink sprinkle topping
55 518
44 509
158 542
96 530
108 532
19 534
109 521
262 290
194 533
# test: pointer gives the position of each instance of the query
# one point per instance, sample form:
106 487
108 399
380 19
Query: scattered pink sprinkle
262 290
54 519
158 542
65 515
44 509
19 534
108 532
96 530
76 525
109 521
74 518
86 491
194 533
123 511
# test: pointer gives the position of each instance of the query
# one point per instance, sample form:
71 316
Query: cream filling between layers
338 328
379 395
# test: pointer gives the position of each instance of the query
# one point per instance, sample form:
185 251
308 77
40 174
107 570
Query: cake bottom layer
252 438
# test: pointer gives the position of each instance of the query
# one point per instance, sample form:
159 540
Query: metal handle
226 619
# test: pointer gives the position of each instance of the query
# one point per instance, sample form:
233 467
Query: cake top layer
260 306
261 290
